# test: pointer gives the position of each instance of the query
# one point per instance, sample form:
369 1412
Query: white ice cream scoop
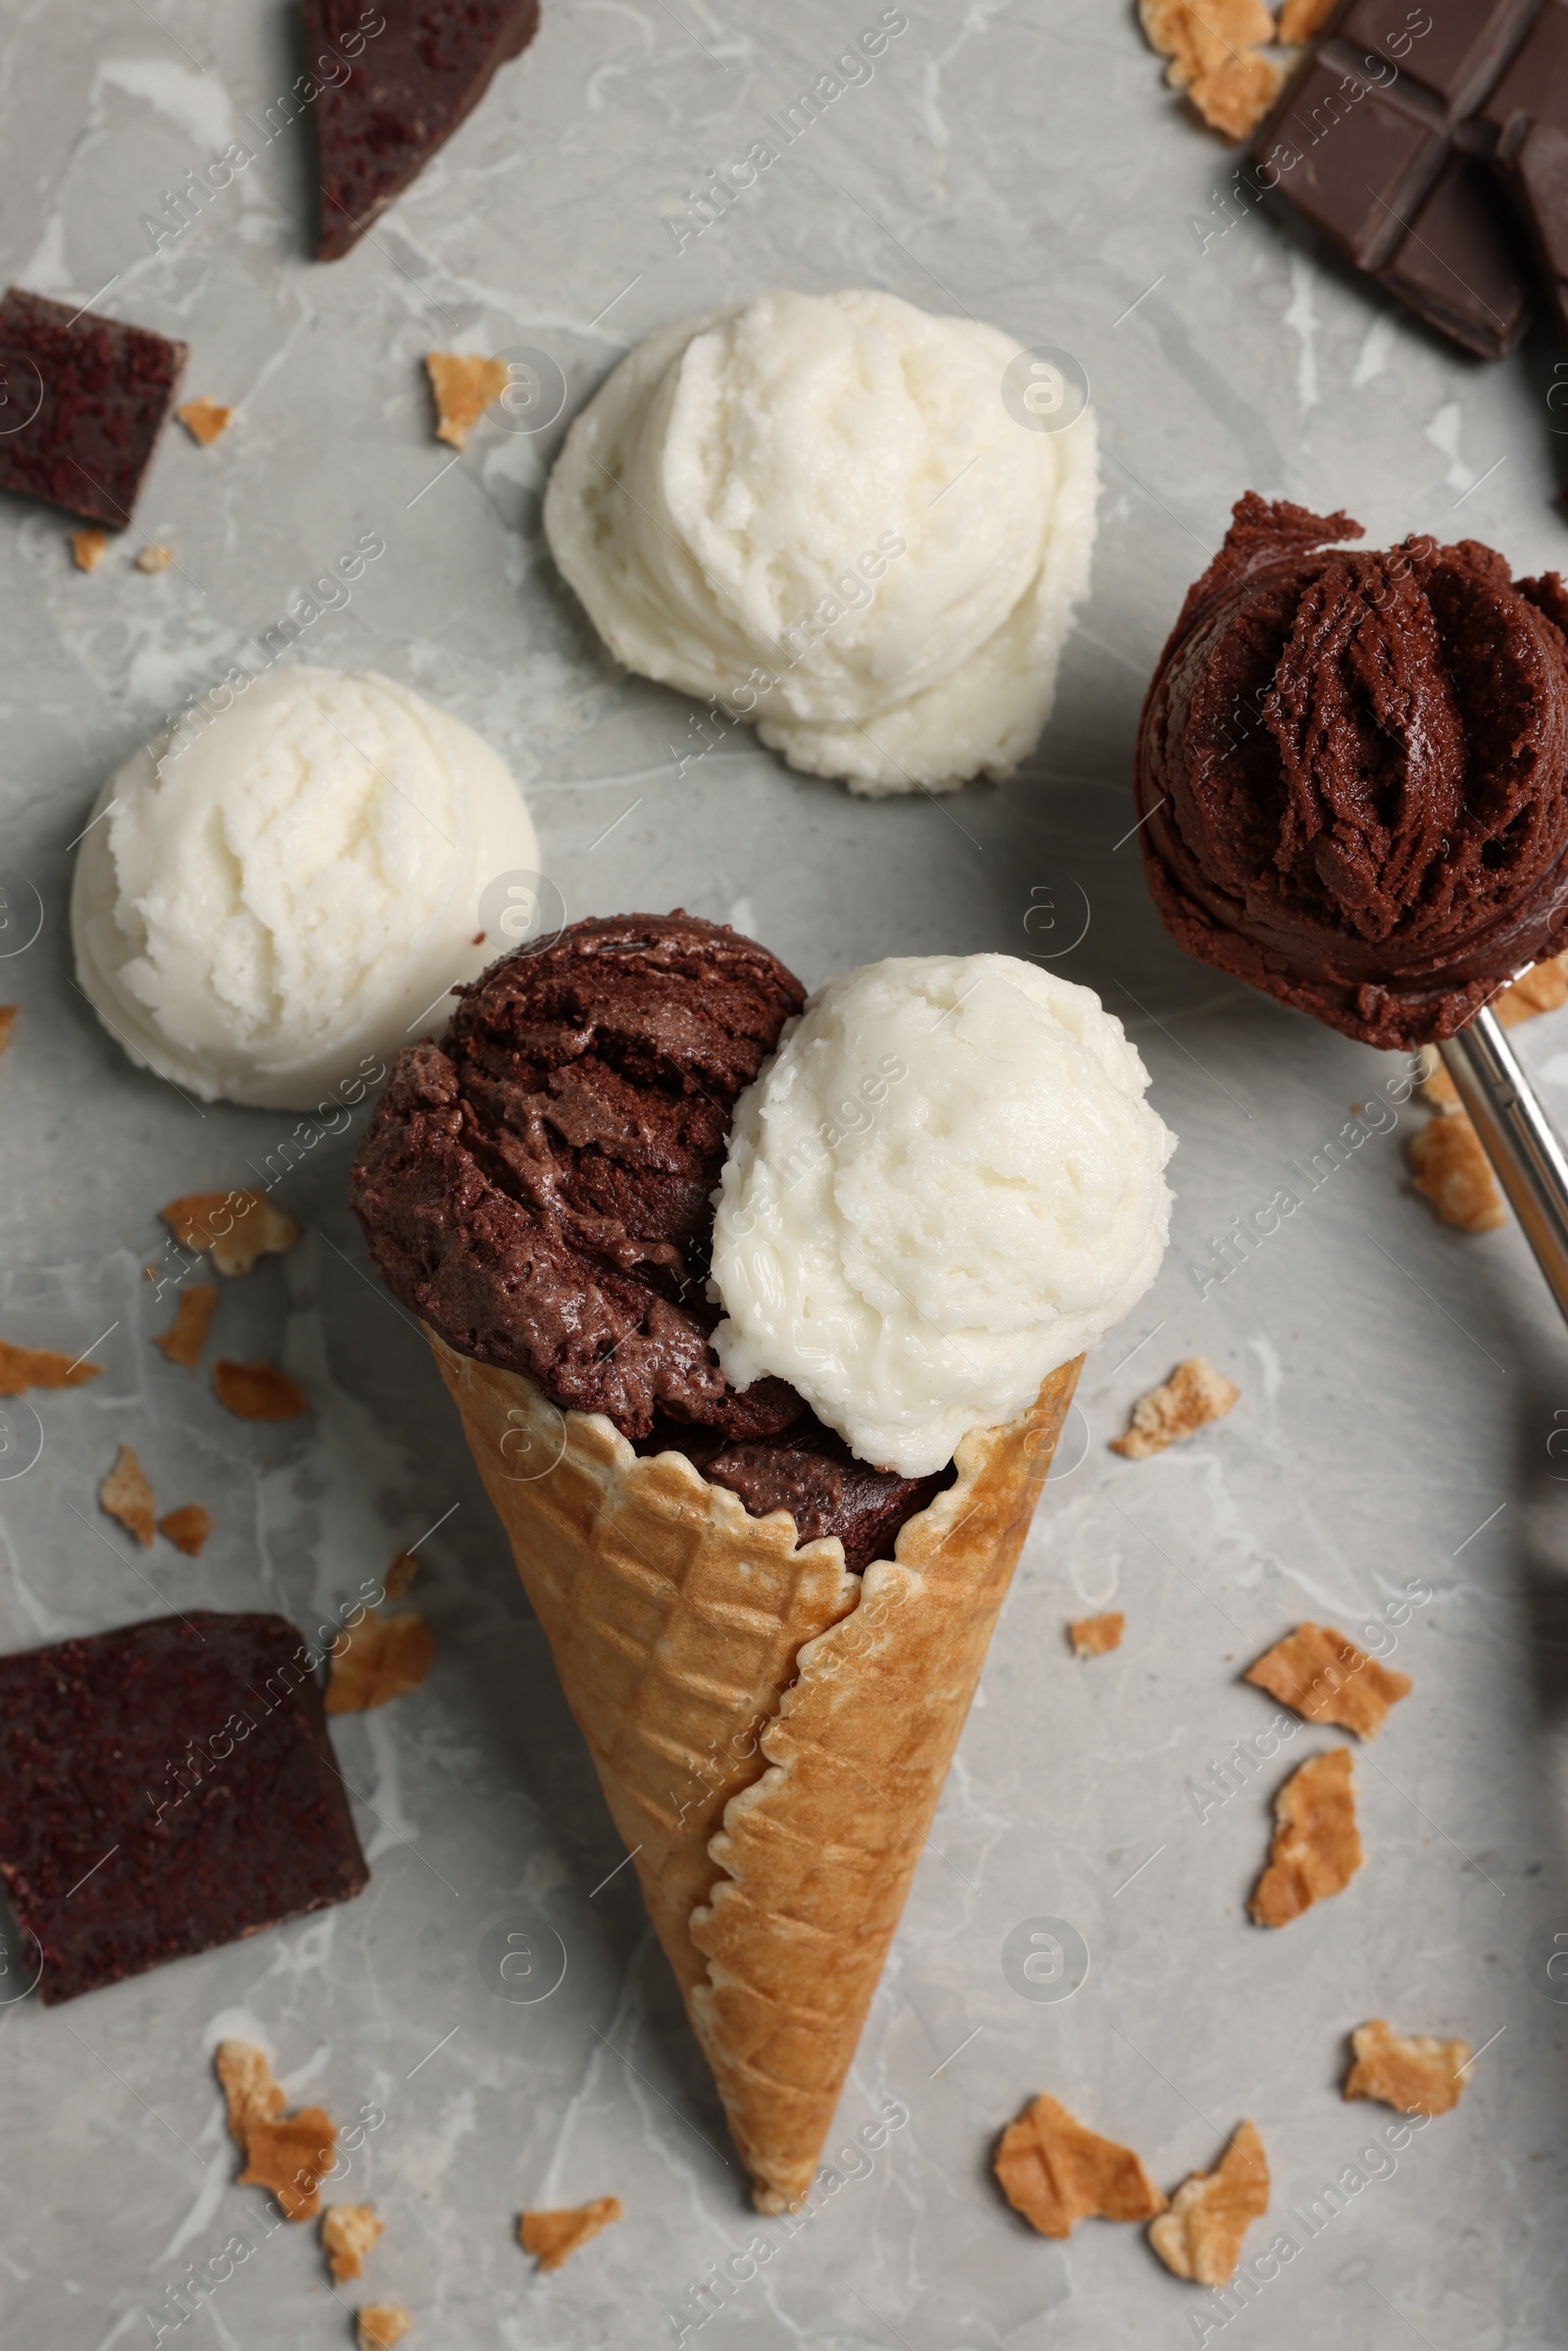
945 1183
270 897
824 513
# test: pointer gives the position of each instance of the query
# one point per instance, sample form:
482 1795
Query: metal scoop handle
1518 1139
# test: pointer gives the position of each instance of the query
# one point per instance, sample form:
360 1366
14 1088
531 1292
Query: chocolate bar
1377 144
83 402
1524 125
413 70
166 1788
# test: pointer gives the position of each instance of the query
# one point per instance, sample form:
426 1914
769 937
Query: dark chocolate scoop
1354 767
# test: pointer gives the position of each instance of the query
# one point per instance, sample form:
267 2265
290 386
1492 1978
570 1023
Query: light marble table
1401 1382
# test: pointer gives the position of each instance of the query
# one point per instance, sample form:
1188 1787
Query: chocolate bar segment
1524 127
166 1788
1373 144
83 402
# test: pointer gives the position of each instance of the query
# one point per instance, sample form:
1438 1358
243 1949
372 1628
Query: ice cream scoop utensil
1525 1154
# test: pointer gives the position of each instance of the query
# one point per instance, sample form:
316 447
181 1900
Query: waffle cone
771 1732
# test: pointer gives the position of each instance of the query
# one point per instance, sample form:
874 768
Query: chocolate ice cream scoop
1352 767
537 1187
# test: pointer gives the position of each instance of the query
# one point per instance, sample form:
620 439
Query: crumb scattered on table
8 1021
400 1575
1194 1394
187 1335
258 1391
152 557
1414 2072
1301 20
251 2094
1200 2236
25 1367
1056 2172
349 2232
382 2324
234 1228
464 383
204 420
88 549
1320 1674
385 1658
1453 1172
1317 1849
1214 48
551 2236
1097 1635
186 1528
126 1495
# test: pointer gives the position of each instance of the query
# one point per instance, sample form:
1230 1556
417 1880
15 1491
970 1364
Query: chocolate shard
1523 127
1374 144
166 1788
83 402
415 70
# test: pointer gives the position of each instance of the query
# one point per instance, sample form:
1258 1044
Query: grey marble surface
1400 1382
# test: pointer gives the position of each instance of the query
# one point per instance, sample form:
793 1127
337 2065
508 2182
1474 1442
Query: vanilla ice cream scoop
819 511
945 1183
270 900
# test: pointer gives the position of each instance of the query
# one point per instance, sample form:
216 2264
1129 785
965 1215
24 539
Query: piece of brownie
85 399
166 1788
416 70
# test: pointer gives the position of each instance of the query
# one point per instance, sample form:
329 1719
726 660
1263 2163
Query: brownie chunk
83 402
166 1788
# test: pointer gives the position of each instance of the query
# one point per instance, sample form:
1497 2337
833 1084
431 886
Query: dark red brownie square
164 1790
82 400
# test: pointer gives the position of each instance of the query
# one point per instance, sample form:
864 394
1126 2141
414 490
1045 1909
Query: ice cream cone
771 1732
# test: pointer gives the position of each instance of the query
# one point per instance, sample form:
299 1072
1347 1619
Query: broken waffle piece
1057 2173
1414 2072
126 1495
1318 1673
251 2092
551 2236
1194 1394
204 420
1198 35
88 549
1317 1848
153 558
349 2232
1234 97
464 383
291 2156
1097 1635
1302 20
234 1228
380 2325
258 1391
186 1528
399 1576
1200 2236
8 1021
1453 1172
385 1658
187 1335
1543 988
25 1367
1437 1089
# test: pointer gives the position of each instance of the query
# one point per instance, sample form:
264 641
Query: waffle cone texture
771 1732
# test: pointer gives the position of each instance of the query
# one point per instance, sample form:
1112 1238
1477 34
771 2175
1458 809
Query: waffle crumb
1319 1674
249 2092
1543 988
154 558
551 2236
382 2324
186 1528
1200 35
399 1576
187 1335
257 1392
385 1657
1194 1394
1056 2172
1097 1635
1317 1849
8 1021
1234 97
126 1495
1413 2071
349 2232
204 420
88 549
1200 2236
1301 20
234 1228
25 1367
1435 1088
464 383
1453 1172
